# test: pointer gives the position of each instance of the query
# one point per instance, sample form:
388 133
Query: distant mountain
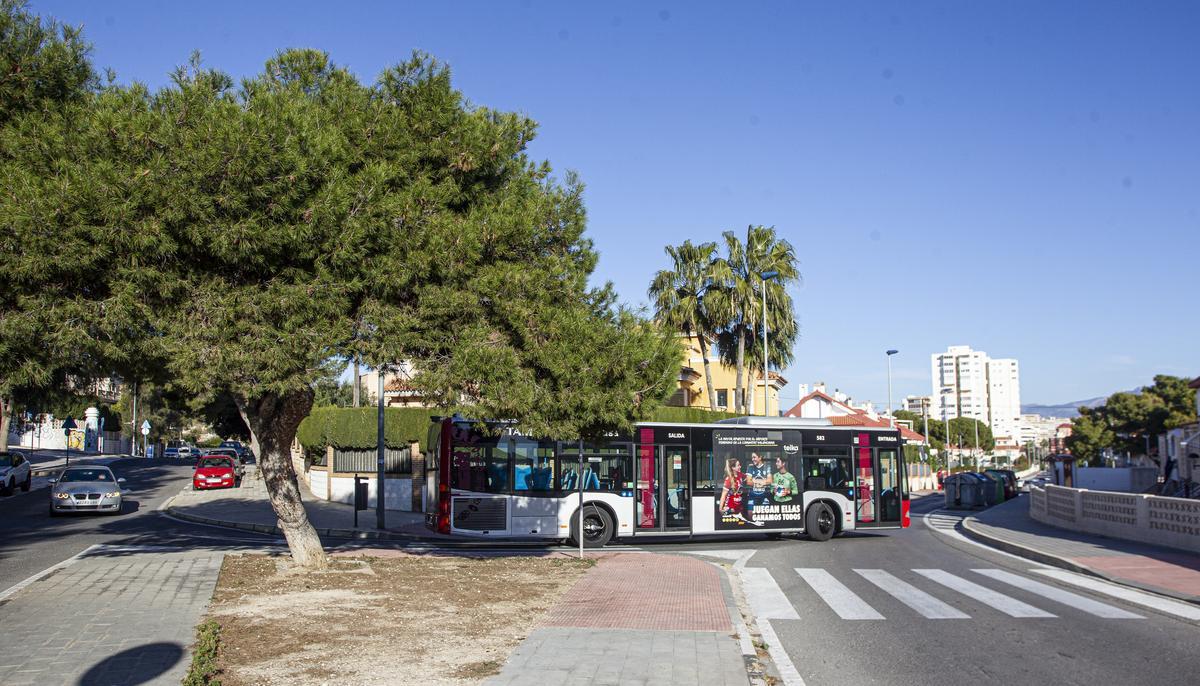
1066 410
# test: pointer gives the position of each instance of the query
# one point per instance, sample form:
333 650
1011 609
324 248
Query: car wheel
819 522
28 482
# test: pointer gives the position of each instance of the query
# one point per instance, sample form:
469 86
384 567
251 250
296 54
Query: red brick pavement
643 591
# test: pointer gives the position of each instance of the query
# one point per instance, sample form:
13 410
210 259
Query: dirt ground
394 620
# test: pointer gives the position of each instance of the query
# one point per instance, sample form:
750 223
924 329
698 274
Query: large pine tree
263 229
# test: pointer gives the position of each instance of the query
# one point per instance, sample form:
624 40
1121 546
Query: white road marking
1172 607
840 599
12 590
1009 606
928 519
787 671
925 605
1058 595
766 599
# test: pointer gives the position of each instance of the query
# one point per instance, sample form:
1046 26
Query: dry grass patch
409 619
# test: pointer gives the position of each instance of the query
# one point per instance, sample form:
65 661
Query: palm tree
679 297
741 302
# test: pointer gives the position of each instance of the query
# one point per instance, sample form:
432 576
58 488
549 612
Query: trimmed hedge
689 415
357 427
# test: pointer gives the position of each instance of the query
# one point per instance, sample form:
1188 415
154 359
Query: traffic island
381 620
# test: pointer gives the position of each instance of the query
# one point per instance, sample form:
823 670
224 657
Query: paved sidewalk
247 507
114 615
1166 571
635 619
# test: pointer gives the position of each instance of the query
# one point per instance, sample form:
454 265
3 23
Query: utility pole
356 381
766 357
891 417
134 423
977 444
947 441
379 484
925 418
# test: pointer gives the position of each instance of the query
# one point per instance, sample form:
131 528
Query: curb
1053 560
346 534
757 669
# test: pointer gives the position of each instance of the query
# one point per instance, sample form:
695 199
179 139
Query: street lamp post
766 276
891 417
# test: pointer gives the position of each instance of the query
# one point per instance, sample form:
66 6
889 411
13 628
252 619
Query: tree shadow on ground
133 666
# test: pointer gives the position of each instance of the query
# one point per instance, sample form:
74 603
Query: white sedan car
14 471
86 488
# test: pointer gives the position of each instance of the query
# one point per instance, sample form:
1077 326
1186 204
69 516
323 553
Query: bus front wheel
597 527
820 522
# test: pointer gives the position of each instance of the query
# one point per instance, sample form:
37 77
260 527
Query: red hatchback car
215 471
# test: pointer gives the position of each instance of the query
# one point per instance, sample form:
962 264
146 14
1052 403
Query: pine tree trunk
712 393
273 420
741 368
6 407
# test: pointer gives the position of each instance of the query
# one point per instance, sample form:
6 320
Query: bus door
879 489
865 492
662 500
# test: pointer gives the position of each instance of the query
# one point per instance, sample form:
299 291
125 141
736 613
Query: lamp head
768 275
892 352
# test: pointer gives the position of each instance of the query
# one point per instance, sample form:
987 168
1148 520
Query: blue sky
1021 177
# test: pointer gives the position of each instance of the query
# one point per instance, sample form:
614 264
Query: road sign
68 424
145 431
146 426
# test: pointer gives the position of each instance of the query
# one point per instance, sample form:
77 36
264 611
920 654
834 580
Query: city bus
748 474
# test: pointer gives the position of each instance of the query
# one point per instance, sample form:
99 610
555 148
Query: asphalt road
913 606
31 541
837 625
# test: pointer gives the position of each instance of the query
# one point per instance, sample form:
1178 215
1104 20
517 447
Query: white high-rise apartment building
1004 399
967 383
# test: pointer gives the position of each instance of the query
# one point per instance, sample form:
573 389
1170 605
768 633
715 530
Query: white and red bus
749 474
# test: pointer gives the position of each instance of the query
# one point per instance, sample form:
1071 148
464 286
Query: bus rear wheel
597 527
819 522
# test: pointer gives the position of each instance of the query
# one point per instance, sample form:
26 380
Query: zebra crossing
926 593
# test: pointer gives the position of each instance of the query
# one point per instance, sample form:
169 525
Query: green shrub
204 670
357 427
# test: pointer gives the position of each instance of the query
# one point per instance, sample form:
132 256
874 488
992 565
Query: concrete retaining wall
1173 522
1122 479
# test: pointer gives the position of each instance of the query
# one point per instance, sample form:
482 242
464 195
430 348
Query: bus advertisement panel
760 489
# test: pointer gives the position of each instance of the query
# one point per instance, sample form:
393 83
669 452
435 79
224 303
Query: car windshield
214 462
86 475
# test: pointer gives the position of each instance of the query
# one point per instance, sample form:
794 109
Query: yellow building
692 390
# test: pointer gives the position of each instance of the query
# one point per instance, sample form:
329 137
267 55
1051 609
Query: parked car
171 451
187 452
86 488
242 451
14 471
231 454
217 471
